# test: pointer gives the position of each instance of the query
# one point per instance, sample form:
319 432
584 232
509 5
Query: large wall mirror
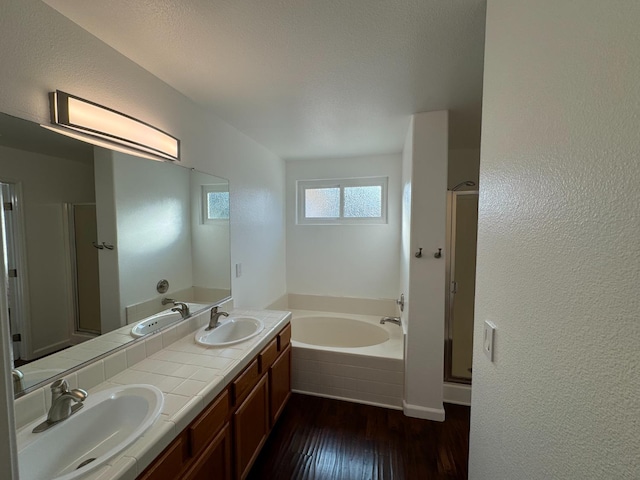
89 234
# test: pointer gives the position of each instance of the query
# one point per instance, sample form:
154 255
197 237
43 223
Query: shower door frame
449 291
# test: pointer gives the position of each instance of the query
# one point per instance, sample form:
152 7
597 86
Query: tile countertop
190 377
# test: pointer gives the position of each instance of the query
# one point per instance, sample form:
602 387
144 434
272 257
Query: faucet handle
59 387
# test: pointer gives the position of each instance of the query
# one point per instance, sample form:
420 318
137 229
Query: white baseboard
427 413
457 394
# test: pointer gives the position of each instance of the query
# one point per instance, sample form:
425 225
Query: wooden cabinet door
169 463
251 427
279 384
215 460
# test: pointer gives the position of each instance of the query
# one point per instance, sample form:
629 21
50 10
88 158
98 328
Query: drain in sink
86 462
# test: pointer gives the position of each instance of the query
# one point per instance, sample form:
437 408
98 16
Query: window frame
303 185
204 204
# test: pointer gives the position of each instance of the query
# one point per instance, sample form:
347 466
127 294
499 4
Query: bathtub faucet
395 320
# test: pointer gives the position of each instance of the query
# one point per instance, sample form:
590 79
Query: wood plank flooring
323 439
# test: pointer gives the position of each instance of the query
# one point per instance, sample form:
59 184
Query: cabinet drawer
268 355
205 427
284 338
243 384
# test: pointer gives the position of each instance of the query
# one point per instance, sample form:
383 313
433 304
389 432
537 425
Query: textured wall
344 260
558 263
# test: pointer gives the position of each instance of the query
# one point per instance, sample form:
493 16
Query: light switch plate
487 339
238 270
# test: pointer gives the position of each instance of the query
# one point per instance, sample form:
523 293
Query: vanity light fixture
87 121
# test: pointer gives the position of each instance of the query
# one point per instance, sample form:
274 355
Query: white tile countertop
189 375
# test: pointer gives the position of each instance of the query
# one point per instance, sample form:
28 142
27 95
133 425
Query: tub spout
395 320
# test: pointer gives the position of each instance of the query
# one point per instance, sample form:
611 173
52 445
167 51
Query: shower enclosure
461 275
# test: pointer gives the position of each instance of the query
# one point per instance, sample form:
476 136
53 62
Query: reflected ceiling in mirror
89 234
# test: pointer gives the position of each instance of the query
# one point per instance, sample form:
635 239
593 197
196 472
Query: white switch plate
238 270
487 339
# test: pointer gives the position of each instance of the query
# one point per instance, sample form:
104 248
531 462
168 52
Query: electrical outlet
487 339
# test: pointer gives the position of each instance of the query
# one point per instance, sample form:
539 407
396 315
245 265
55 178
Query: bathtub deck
322 439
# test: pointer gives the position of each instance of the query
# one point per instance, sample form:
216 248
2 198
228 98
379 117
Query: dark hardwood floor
322 439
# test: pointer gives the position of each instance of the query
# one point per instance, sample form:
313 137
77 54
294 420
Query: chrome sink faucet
181 307
395 320
215 318
61 404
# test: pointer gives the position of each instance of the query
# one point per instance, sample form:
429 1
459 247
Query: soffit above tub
306 79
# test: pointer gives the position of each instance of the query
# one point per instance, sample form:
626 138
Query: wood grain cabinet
215 461
251 427
225 439
279 385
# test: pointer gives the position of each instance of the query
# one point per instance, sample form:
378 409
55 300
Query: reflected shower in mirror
89 234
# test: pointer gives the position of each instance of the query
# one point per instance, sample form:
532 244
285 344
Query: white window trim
206 189
303 185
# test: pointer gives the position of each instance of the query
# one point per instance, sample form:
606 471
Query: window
215 203
342 201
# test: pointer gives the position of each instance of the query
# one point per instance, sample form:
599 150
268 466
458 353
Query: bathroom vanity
226 438
219 404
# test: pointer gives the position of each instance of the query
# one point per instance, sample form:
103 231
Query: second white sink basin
230 331
109 422
155 323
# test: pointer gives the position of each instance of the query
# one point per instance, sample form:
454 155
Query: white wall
405 236
47 184
464 164
344 260
558 263
210 242
425 198
42 51
153 212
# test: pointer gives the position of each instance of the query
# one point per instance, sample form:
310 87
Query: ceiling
305 78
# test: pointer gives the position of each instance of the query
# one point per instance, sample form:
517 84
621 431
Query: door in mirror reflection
84 255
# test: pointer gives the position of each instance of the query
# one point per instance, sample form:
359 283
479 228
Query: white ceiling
308 78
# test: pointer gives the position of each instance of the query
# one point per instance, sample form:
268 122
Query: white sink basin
230 331
163 319
155 323
109 422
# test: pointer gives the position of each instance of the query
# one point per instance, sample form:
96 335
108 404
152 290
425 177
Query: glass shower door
461 293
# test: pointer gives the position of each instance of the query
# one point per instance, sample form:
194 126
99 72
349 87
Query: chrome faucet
61 407
167 301
215 318
18 380
181 307
395 320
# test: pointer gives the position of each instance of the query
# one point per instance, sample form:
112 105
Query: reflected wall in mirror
89 234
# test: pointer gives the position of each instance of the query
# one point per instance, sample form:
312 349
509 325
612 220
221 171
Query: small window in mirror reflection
215 203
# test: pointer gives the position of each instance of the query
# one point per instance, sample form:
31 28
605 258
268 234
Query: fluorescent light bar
93 120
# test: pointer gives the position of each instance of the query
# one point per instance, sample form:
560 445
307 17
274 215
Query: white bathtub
346 356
